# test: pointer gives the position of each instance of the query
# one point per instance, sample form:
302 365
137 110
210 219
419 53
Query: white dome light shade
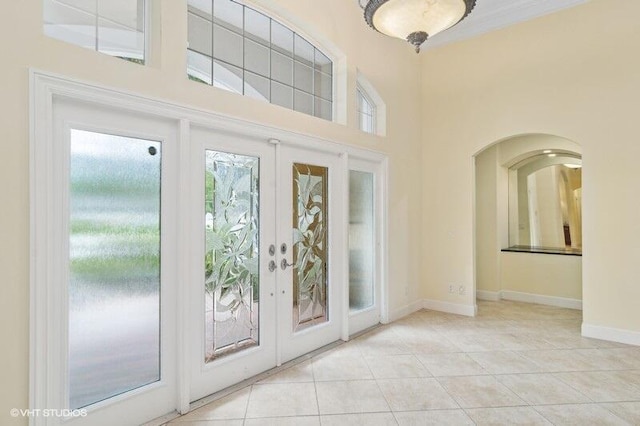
415 20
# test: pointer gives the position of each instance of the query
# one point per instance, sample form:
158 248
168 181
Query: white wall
337 24
487 224
501 274
556 277
554 75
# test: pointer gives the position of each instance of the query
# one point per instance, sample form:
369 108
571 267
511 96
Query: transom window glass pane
322 63
323 109
303 102
228 13
202 7
303 77
256 58
200 35
228 46
257 27
256 86
281 38
116 28
281 68
200 66
227 77
237 48
322 86
366 112
303 50
282 95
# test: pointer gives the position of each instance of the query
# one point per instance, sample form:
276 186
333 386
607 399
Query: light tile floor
513 364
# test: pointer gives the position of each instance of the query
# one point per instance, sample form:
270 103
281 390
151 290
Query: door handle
272 265
284 264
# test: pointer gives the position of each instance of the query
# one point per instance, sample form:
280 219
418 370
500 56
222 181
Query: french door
233 289
309 221
171 260
269 254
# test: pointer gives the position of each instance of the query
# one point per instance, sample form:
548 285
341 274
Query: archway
528 243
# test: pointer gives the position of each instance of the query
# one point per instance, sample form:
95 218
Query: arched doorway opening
528 221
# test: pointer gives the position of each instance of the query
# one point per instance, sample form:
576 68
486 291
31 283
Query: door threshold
250 381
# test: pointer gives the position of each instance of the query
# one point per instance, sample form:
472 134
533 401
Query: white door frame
44 88
50 275
207 378
368 317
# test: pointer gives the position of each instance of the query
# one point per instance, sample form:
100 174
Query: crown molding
491 15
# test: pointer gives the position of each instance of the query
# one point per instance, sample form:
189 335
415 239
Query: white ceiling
490 15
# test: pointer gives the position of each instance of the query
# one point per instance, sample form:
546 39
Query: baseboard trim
451 308
491 296
540 299
611 334
405 310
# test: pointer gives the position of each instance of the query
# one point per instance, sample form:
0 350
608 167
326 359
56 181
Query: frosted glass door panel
361 241
310 218
232 253
114 271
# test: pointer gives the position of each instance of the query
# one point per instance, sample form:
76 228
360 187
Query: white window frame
147 11
362 319
277 12
49 190
361 93
371 95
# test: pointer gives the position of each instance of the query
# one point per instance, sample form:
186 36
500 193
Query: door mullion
279 284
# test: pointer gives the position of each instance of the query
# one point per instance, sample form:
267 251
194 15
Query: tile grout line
246 408
488 333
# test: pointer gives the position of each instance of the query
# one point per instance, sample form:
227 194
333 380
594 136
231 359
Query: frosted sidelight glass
309 245
361 241
114 270
232 279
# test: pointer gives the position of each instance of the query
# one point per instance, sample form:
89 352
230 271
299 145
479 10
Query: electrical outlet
451 288
461 290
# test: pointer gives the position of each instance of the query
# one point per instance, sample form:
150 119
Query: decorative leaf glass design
309 246
232 253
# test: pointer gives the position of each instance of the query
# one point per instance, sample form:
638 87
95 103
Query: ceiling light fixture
414 20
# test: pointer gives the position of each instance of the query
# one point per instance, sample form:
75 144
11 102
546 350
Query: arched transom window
237 48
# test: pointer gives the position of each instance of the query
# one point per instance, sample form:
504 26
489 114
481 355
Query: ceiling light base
417 38
421 19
